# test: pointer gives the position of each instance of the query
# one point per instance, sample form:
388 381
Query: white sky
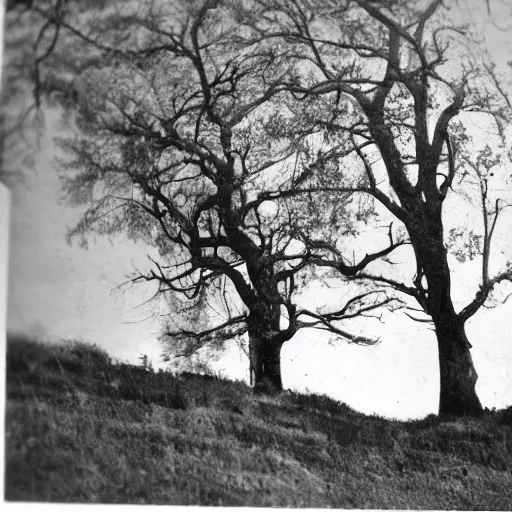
57 291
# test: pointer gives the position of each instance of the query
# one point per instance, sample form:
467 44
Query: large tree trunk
272 368
457 373
265 357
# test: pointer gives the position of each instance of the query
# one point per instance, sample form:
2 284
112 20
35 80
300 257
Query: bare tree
385 81
174 147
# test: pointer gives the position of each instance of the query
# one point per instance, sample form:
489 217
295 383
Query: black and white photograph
257 253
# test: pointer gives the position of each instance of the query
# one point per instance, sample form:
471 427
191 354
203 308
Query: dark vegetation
80 428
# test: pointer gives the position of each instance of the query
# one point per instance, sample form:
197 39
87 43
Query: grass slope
80 429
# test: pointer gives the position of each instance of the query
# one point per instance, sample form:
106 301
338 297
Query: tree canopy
175 139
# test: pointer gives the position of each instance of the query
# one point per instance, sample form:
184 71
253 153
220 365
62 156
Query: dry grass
80 429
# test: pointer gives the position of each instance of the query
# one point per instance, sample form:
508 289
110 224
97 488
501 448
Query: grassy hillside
80 429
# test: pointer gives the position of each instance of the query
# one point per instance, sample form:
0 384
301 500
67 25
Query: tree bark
265 357
272 380
456 370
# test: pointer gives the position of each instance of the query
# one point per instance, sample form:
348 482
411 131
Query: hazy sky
60 291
